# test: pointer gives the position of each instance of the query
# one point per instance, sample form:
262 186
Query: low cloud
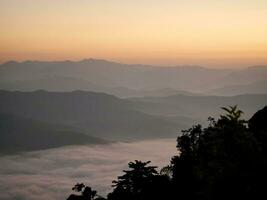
50 174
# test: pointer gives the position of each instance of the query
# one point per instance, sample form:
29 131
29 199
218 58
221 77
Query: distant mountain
246 76
198 107
123 80
259 87
56 83
97 114
20 134
114 75
107 116
67 84
39 120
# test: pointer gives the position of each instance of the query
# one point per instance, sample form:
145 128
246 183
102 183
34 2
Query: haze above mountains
51 104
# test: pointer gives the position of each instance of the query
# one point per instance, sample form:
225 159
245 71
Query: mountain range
96 114
41 119
128 80
199 107
52 104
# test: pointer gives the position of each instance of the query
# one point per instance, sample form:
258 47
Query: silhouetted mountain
198 107
106 116
105 73
123 80
20 134
95 113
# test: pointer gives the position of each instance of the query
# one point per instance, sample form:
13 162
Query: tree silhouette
219 162
86 193
232 113
141 182
130 185
226 160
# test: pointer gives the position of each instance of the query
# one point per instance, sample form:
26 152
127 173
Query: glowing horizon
210 32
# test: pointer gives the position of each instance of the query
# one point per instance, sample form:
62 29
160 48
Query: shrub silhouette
226 160
86 193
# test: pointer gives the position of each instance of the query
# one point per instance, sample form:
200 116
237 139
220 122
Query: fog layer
50 174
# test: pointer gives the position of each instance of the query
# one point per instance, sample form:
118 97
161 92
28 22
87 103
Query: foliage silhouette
86 193
226 160
221 161
140 182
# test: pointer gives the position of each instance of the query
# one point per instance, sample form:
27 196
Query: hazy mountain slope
123 80
198 106
56 83
36 120
259 87
21 134
105 73
246 76
96 113
67 84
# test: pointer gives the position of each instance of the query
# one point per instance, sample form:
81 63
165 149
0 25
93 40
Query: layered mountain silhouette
123 80
44 119
96 114
68 103
198 107
67 84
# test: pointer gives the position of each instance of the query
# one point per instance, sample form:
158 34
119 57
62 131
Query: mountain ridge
108 74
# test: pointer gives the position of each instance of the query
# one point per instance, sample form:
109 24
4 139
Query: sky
212 33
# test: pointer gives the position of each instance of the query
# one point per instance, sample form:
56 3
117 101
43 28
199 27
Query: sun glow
208 32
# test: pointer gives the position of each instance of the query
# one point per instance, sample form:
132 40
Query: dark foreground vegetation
226 160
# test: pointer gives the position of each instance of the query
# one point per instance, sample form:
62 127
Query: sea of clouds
50 174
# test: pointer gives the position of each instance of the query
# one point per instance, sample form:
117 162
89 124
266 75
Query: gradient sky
214 33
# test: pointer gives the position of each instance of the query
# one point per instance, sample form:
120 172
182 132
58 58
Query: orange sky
213 33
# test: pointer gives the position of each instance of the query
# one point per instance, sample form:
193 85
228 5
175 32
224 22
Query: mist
50 174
